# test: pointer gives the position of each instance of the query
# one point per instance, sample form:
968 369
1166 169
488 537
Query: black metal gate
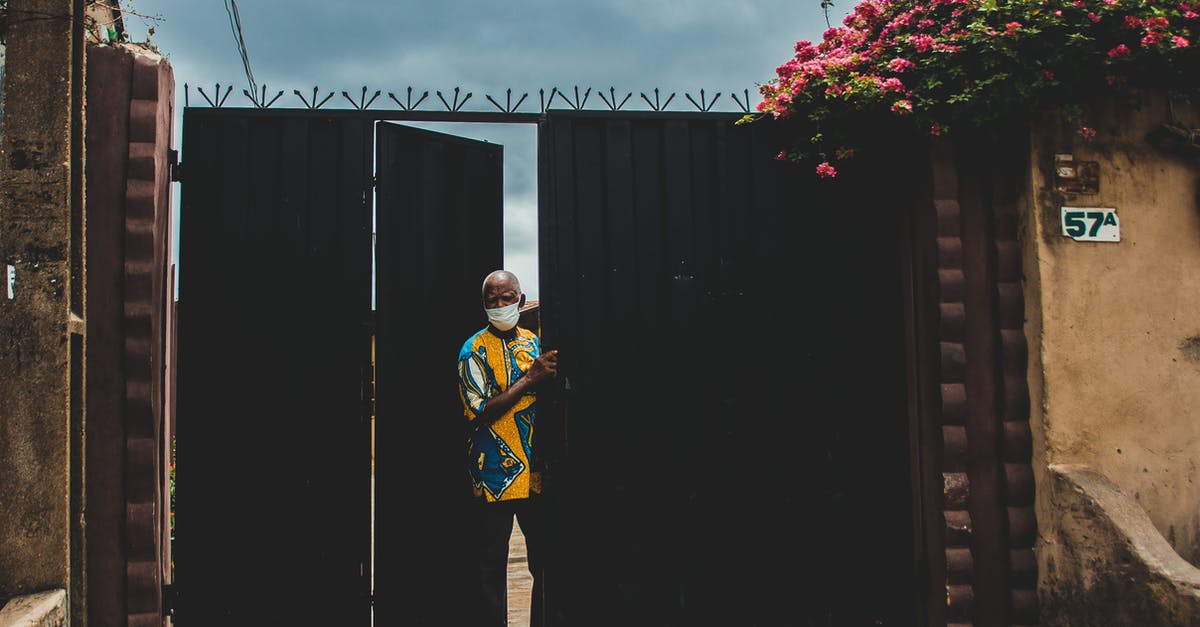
729 441
275 402
273 444
733 428
439 231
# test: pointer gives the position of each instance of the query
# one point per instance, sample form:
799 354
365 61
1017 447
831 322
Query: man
499 371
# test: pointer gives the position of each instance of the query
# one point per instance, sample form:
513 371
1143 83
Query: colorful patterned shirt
499 455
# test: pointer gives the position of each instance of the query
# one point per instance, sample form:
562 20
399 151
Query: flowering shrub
945 64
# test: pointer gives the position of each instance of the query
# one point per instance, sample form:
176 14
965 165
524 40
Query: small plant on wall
941 65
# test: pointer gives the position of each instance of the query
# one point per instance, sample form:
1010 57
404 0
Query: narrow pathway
520 582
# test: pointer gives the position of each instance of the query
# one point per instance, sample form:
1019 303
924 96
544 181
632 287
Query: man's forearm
498 405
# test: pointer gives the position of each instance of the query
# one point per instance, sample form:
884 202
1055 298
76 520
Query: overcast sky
634 46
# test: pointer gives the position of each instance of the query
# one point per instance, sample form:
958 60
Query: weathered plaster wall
41 343
1110 566
41 609
1114 328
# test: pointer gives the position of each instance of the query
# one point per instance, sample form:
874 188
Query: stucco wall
1108 564
1114 328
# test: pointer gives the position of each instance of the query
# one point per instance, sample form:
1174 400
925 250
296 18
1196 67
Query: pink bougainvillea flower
922 42
781 156
928 60
1087 133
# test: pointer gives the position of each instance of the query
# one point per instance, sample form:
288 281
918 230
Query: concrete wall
1114 328
43 609
1108 564
130 106
41 316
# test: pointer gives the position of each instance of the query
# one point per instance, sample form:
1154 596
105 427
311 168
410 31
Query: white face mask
504 318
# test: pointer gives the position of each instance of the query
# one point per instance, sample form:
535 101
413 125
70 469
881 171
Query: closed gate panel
273 444
727 444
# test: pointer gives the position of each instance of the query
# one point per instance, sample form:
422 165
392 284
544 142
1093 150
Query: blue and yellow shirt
499 456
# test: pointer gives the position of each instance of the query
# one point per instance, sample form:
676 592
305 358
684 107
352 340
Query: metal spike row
219 100
261 101
314 104
411 106
579 102
576 99
362 103
702 105
744 105
611 101
455 106
657 105
508 107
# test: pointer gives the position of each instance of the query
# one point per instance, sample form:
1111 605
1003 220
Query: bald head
501 280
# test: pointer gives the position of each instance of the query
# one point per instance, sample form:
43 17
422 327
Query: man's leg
496 520
531 516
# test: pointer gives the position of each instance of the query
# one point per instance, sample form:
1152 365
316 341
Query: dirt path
520 583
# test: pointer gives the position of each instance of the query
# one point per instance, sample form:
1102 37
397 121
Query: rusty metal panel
439 230
273 442
727 443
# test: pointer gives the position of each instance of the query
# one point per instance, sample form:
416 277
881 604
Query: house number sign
1091 224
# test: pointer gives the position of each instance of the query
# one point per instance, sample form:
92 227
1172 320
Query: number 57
1074 226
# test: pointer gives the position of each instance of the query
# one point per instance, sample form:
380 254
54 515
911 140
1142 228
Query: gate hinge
174 167
169 599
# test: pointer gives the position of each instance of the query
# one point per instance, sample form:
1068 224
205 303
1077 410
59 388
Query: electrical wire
235 23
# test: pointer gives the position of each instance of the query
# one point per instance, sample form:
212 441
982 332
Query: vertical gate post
42 303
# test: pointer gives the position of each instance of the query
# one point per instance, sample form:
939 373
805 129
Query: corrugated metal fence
731 333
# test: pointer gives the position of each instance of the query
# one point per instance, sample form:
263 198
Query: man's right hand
544 367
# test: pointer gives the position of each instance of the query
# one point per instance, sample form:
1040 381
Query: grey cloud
632 46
